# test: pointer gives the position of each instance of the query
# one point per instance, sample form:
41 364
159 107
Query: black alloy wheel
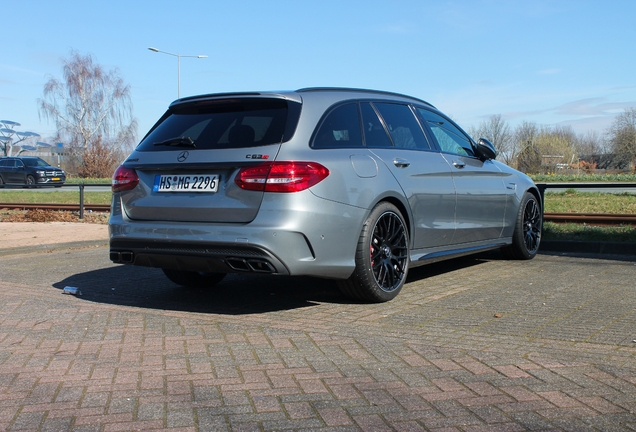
388 252
527 235
382 257
532 226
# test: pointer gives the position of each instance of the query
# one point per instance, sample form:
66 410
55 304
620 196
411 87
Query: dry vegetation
52 216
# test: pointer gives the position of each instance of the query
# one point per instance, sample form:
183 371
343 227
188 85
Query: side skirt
422 256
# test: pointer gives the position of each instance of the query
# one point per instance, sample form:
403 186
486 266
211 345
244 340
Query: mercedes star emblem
183 156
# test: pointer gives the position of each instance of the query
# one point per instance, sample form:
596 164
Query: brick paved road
469 345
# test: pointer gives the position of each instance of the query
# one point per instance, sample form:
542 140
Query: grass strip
53 197
580 178
569 201
572 201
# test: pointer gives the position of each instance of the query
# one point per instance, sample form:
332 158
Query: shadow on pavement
237 294
599 256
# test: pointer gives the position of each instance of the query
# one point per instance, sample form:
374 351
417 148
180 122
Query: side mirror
485 149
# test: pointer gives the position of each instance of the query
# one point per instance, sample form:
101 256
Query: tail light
124 179
281 176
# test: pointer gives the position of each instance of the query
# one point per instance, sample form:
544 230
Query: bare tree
557 146
525 134
564 132
622 137
89 106
529 158
591 143
98 162
546 148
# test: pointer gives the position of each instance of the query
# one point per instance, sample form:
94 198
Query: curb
600 247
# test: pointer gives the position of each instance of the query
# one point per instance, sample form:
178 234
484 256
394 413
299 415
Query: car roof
366 92
297 95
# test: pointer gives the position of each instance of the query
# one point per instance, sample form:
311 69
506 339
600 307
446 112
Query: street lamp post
178 56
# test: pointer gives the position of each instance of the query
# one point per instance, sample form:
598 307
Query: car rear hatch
187 163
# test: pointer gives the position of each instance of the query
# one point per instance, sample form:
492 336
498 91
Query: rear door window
340 128
404 128
223 124
375 134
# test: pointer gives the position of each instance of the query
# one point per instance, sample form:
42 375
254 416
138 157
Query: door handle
401 163
459 164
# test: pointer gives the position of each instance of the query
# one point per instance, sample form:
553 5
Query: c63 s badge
256 156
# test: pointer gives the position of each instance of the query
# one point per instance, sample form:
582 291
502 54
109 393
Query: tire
527 235
193 279
30 180
382 257
1 182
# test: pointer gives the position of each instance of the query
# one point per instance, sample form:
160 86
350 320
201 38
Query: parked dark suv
29 170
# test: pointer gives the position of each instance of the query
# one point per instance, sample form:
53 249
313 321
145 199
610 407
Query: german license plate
186 183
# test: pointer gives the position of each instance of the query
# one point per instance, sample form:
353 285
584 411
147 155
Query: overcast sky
546 61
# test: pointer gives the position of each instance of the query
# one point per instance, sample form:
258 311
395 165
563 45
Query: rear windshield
223 124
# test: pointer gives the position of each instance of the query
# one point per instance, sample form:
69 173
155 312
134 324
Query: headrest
241 134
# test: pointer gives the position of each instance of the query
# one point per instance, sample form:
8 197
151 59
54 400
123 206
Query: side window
340 129
374 132
404 128
449 137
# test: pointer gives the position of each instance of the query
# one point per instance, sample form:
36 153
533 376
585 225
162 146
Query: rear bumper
195 256
295 241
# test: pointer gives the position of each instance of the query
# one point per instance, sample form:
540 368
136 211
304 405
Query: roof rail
361 90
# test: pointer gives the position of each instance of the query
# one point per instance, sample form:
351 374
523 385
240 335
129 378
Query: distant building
610 161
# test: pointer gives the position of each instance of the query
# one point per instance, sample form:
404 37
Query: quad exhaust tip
250 265
125 257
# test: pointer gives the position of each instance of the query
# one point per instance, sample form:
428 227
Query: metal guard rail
81 187
541 186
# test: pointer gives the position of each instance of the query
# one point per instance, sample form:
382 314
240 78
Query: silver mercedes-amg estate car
354 185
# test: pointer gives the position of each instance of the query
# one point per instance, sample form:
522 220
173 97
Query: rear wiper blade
178 141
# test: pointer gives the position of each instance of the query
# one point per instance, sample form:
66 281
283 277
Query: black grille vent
206 251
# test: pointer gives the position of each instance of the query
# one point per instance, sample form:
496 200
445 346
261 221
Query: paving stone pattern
477 344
